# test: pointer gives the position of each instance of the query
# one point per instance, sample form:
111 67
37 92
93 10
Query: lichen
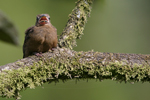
75 66
76 23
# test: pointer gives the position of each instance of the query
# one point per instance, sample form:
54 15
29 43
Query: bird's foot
38 54
53 49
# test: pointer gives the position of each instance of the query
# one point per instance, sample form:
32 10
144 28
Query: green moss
76 23
78 66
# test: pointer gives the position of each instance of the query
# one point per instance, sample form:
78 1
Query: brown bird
40 38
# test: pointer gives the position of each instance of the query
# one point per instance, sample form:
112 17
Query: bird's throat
43 22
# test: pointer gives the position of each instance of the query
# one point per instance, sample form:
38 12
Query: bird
40 38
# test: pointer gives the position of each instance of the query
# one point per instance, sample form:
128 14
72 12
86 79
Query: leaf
8 31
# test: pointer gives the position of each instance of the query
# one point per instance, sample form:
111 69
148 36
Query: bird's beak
43 20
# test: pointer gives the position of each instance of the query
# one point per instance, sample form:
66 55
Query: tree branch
76 23
64 63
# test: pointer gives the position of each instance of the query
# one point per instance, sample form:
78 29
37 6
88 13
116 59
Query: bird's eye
49 18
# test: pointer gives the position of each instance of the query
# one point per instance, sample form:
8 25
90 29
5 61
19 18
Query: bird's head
42 19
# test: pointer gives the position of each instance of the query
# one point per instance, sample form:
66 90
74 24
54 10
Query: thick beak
43 20
43 17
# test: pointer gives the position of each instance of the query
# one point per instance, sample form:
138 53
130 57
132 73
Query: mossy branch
76 23
64 63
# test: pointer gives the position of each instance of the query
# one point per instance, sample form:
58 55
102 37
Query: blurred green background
120 26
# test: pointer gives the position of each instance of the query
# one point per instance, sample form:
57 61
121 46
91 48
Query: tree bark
76 23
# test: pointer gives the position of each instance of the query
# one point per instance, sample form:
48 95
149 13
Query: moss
77 66
76 23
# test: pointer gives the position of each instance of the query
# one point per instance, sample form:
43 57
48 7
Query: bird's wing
27 37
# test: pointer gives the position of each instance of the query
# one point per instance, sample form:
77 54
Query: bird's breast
42 39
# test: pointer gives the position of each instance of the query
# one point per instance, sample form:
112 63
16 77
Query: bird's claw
53 49
38 54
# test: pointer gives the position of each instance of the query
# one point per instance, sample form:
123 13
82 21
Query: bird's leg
53 49
39 54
